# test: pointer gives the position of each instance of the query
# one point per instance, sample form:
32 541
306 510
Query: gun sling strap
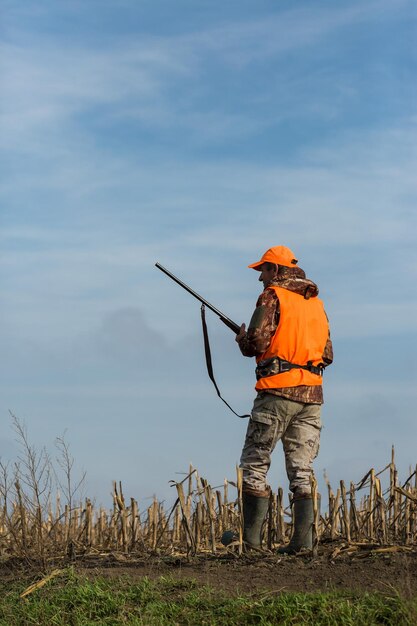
209 362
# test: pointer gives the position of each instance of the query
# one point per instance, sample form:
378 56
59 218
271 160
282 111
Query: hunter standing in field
290 338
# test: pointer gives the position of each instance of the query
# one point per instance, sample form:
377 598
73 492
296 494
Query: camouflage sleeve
328 352
327 357
262 326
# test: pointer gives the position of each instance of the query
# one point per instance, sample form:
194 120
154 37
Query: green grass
75 600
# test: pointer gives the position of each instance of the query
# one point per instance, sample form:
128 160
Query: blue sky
198 134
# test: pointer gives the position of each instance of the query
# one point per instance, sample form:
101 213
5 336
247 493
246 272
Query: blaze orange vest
301 337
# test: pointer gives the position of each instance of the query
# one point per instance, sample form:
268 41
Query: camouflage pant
297 425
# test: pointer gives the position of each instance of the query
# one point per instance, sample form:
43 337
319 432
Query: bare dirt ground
335 568
363 570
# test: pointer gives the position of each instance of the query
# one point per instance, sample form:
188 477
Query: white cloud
48 84
240 42
350 218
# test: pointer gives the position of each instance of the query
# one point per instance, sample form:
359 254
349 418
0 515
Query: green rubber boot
254 511
302 537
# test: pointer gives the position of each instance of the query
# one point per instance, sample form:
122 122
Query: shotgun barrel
226 320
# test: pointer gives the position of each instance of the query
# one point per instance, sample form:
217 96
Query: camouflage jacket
265 321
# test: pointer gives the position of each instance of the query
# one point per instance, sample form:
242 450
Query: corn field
35 526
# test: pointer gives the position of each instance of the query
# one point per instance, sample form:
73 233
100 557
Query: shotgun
226 320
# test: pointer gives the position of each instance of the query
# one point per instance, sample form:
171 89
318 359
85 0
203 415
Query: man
290 338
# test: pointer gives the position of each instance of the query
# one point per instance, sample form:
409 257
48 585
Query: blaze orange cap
280 255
